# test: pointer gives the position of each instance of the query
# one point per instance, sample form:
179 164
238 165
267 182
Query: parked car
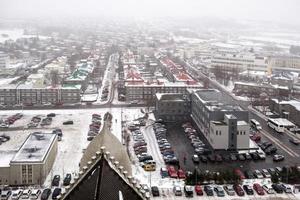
69 122
278 188
56 180
258 174
181 174
265 173
229 190
45 194
259 190
5 194
271 150
195 158
203 159
51 115
16 194
219 191
208 190
67 179
172 172
233 157
286 188
249 174
56 193
164 172
26 194
268 189
177 191
278 157
248 189
198 190
188 191
155 191
238 189
35 194
294 141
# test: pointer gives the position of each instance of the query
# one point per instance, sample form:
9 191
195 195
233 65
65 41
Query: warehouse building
31 164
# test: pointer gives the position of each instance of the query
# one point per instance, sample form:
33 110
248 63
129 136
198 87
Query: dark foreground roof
102 182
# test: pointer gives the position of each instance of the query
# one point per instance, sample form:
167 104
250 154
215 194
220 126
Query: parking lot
182 147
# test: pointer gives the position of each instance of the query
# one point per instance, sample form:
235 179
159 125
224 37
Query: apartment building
284 63
224 125
31 164
240 62
4 60
12 95
257 89
172 107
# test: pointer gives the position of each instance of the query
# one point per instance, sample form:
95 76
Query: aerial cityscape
149 99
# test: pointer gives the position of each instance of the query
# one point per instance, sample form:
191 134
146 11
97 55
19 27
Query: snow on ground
74 140
6 81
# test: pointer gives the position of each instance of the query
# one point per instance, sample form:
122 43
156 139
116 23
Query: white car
286 188
258 174
177 191
35 194
26 194
16 194
3 125
268 189
266 173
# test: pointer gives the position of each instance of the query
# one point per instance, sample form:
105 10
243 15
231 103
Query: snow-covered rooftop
35 148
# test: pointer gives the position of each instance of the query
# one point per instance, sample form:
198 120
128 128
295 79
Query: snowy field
74 140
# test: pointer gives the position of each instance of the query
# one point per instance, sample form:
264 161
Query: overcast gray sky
273 10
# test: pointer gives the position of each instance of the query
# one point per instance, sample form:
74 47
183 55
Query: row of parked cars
94 127
165 147
198 145
35 193
10 120
140 148
36 120
232 190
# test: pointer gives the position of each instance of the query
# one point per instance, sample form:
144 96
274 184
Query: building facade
224 125
4 60
286 109
284 63
32 163
38 96
148 92
172 107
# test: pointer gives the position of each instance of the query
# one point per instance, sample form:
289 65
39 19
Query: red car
172 172
198 190
256 137
239 173
181 174
239 190
259 190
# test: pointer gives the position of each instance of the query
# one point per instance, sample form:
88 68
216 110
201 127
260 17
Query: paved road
290 151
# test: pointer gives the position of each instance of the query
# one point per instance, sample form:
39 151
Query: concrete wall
4 175
218 136
243 136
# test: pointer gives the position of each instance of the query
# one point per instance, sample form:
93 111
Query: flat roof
6 157
282 121
35 148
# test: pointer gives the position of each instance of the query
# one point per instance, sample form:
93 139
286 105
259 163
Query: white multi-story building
224 125
239 61
290 63
4 60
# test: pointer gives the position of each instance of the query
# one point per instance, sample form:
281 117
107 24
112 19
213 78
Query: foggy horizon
274 11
